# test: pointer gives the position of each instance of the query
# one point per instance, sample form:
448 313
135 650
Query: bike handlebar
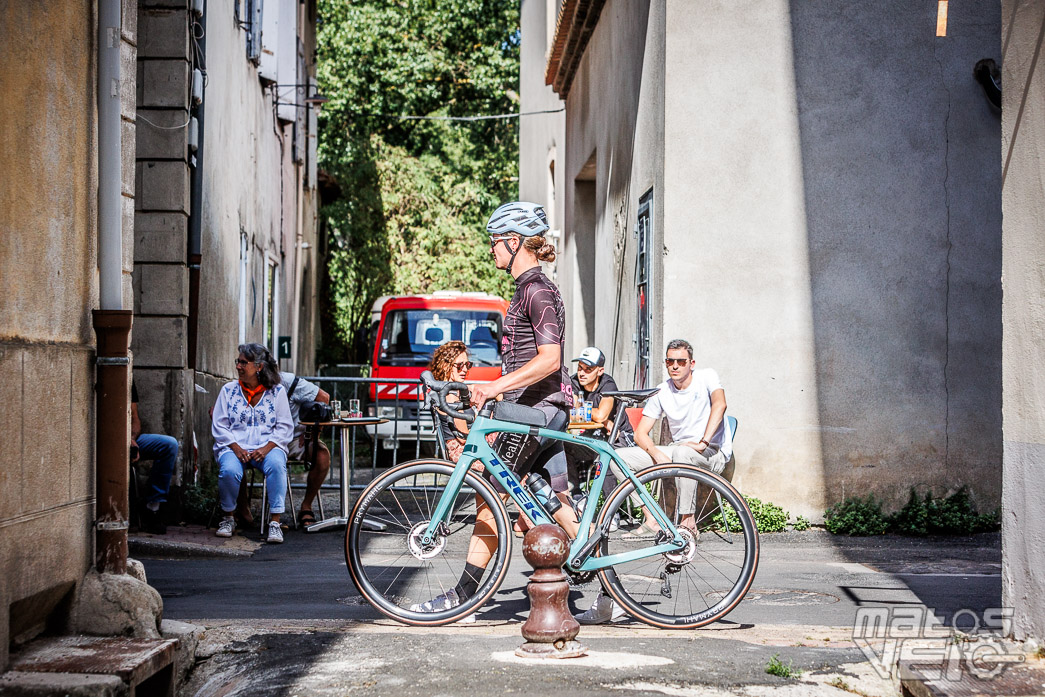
440 389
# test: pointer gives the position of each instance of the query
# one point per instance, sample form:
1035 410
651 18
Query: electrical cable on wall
482 117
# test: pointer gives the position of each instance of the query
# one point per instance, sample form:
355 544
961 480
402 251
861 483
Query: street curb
150 547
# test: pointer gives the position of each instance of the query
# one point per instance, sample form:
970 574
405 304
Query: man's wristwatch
704 441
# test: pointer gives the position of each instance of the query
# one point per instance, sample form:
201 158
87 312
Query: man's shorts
523 453
296 450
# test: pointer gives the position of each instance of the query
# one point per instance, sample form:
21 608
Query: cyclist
533 373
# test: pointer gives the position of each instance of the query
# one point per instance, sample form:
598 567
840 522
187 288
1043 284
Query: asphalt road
287 621
808 578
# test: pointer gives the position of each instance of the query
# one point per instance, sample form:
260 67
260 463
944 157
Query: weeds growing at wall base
922 515
782 670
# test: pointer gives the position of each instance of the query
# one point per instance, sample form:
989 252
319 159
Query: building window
644 304
253 27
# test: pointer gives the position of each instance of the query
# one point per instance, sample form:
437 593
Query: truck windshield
410 336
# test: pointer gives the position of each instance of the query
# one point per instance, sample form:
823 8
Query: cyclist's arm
546 362
643 440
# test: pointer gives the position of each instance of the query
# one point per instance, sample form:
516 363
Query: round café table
341 426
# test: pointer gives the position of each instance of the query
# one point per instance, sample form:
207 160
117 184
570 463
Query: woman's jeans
163 451
230 474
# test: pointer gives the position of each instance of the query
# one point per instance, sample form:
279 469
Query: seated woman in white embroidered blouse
252 426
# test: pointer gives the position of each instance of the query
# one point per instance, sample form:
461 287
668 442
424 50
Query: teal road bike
428 511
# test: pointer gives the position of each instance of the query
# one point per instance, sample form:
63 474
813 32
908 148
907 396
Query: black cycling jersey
625 434
536 317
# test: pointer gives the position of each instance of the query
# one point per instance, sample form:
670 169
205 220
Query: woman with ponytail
533 373
252 427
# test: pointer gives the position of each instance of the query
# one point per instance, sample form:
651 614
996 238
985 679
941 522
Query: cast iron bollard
550 629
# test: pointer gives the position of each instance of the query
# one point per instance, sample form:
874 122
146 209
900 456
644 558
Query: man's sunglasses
466 365
677 361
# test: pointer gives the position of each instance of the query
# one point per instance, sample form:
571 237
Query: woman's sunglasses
464 365
240 361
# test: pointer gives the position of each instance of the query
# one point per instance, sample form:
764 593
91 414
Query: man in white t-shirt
694 405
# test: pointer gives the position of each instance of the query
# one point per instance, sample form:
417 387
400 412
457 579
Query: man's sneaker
275 533
152 522
439 603
470 619
226 526
603 610
615 522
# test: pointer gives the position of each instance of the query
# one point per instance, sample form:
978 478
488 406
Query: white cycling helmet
516 218
519 217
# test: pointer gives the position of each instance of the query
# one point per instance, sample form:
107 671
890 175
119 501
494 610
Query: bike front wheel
399 574
699 583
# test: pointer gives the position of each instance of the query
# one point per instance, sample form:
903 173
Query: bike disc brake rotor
421 550
686 554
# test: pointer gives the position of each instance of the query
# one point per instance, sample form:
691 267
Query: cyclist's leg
551 458
513 448
551 464
483 542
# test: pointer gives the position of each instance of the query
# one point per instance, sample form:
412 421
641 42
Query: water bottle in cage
542 490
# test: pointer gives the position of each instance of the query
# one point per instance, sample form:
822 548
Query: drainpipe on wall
195 250
112 324
299 251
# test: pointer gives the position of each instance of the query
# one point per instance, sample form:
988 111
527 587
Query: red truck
406 330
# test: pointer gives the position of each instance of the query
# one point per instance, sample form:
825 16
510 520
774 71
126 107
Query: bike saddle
632 396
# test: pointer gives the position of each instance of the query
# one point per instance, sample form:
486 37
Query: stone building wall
1023 307
49 268
826 231
256 192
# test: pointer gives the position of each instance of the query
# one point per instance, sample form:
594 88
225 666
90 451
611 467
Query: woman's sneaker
226 526
275 533
603 610
445 601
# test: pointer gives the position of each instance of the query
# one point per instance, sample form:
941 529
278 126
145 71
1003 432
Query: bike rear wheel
394 570
701 582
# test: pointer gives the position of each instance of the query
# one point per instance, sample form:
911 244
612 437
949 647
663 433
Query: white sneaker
615 522
603 610
226 526
275 533
470 619
439 603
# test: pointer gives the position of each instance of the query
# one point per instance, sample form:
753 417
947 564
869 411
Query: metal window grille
644 303
254 12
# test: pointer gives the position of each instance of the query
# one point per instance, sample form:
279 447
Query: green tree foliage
415 194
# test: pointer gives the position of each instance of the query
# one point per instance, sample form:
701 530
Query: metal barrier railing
345 388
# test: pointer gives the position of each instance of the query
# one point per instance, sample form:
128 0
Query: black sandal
306 518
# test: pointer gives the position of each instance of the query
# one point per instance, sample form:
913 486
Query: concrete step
142 666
